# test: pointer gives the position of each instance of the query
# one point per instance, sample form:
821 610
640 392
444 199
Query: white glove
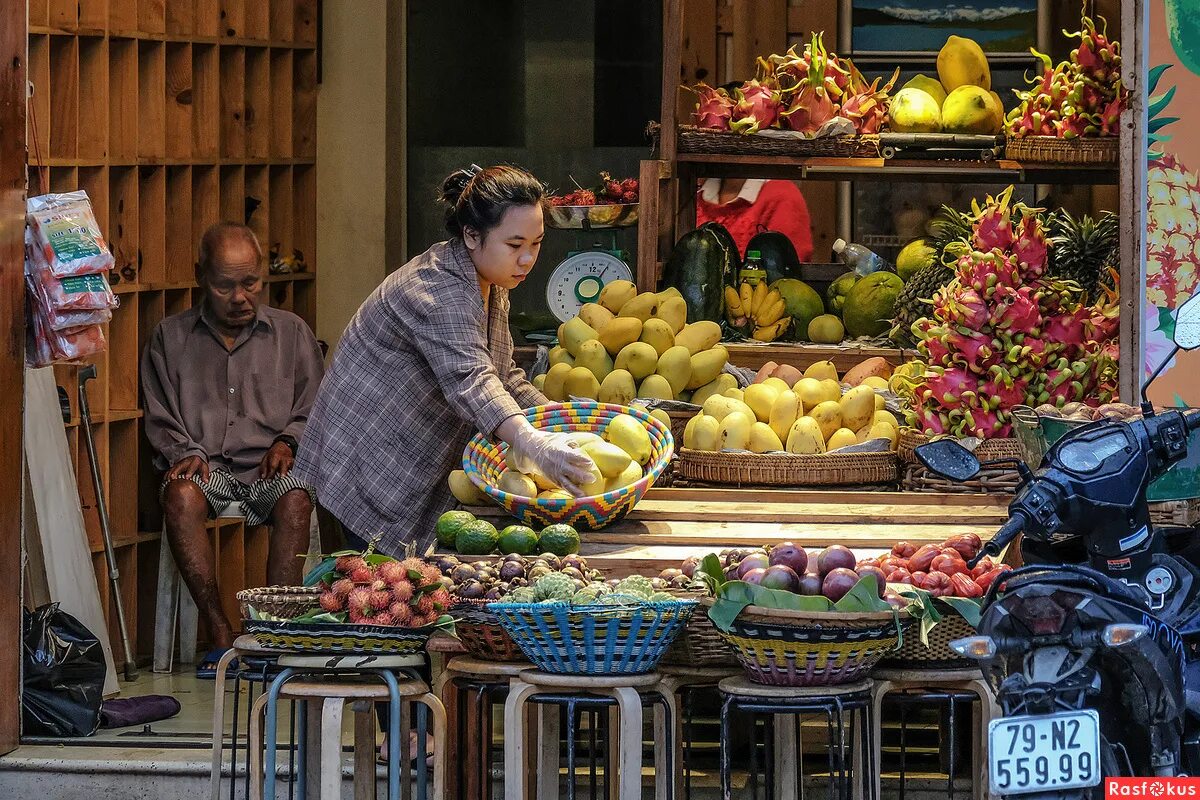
554 455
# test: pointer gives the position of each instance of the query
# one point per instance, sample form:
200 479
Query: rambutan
425 605
383 618
342 588
358 617
414 569
430 574
363 574
330 602
381 599
390 571
402 591
441 599
401 614
347 564
359 601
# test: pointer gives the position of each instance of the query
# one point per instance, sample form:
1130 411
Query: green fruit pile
461 531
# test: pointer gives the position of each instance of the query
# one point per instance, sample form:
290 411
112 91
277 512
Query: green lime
519 539
449 524
562 540
477 538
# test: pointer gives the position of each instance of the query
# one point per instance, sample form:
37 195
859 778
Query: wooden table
669 525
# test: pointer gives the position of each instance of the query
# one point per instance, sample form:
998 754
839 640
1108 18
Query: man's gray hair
219 235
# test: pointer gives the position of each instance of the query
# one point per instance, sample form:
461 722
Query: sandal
206 670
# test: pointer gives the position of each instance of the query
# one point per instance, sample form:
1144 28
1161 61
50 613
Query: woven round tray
1099 151
707 141
914 654
482 634
988 450
787 469
281 602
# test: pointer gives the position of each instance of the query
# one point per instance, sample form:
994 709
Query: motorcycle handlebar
1009 531
1192 420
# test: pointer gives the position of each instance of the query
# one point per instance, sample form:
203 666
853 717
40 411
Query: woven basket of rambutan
365 602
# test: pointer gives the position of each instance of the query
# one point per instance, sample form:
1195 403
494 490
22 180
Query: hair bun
454 186
476 198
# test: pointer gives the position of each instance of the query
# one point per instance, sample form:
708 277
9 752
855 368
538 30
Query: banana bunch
757 309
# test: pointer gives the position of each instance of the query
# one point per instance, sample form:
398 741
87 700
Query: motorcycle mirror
1187 324
949 459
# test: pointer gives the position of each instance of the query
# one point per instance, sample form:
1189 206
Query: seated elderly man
228 386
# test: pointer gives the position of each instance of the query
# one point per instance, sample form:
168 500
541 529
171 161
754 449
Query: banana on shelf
757 311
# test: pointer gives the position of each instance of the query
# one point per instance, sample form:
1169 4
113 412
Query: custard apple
635 585
555 586
524 594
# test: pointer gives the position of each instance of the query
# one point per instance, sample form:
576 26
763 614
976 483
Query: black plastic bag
64 671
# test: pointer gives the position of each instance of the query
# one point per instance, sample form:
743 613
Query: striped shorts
257 499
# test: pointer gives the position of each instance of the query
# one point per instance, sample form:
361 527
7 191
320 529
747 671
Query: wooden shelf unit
172 115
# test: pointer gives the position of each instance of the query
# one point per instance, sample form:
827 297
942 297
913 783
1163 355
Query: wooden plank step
766 511
828 497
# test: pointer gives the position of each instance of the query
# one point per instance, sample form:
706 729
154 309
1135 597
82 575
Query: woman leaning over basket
426 362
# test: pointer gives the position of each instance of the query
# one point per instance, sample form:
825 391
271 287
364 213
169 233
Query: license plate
1044 753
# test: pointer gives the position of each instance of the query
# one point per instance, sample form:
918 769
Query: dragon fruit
757 108
714 108
866 105
1002 334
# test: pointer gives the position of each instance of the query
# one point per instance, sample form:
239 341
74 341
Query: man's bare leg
290 518
185 514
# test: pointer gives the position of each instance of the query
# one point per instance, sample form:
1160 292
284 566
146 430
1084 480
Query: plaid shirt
415 374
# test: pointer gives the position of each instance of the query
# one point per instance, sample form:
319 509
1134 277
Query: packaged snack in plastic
44 345
67 234
70 302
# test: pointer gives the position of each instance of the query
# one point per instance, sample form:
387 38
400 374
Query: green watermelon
703 262
777 252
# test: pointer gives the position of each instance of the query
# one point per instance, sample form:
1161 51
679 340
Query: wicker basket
594 639
679 421
700 644
787 469
793 648
1101 151
327 637
988 449
1184 513
714 142
915 654
280 602
992 480
482 634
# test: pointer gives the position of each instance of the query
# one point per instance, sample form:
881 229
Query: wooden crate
169 113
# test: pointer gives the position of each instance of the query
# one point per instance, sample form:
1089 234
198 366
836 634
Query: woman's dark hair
477 198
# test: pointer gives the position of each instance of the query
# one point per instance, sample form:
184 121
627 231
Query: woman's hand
553 455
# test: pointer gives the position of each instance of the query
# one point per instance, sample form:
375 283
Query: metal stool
334 680
682 683
847 709
947 687
625 692
245 648
484 680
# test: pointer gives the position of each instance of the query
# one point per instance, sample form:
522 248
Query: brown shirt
228 405
420 368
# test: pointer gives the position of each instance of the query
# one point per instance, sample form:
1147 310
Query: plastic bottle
859 258
753 272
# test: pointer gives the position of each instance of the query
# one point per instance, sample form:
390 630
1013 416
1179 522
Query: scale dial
579 279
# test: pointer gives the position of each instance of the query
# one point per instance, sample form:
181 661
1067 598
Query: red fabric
780 207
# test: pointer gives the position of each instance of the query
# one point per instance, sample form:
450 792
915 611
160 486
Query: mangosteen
536 572
517 557
658 584
554 561
540 562
670 574
689 565
481 564
518 582
574 560
462 573
447 582
471 590
510 570
579 584
572 572
680 581
613 582
493 594
446 564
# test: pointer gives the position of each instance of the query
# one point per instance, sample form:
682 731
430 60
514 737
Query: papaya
702 263
777 252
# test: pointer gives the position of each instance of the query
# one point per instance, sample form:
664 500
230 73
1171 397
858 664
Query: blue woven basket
594 639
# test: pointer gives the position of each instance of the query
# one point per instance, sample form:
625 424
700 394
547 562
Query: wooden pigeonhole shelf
172 115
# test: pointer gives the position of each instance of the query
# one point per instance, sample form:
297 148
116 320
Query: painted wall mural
1173 220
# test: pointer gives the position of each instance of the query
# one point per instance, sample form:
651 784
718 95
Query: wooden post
672 36
13 45
1135 33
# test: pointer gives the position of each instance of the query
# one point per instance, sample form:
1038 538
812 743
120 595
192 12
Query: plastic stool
334 680
847 709
625 691
466 676
681 682
966 681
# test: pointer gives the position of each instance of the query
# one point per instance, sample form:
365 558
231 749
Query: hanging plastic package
63 675
67 302
67 234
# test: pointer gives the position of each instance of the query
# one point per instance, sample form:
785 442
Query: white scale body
580 278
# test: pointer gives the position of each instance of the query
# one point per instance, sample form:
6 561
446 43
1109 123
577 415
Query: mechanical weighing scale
583 274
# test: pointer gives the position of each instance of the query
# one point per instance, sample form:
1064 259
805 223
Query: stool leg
629 703
255 747
331 748
987 712
667 775
218 723
726 772
785 782
514 739
879 691
547 751
272 728
364 750
438 711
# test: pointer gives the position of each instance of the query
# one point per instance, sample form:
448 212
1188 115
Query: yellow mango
618 388
857 406
810 391
464 491
705 433
761 398
699 336
639 358
842 437
596 315
556 377
786 409
763 439
593 357
805 437
706 365
580 382
676 366
644 306
821 370
718 386
673 311
620 333
735 431
655 387
573 333
559 355
616 294
658 334
828 416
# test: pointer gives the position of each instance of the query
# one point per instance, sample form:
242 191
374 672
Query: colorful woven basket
792 648
484 463
328 637
594 639
482 634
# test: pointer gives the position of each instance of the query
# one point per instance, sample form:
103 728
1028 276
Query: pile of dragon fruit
407 594
1002 334
1082 96
797 92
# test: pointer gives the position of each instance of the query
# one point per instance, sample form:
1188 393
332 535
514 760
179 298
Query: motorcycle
1090 647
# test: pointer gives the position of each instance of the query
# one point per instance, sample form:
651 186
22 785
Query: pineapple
1084 249
951 230
1173 221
